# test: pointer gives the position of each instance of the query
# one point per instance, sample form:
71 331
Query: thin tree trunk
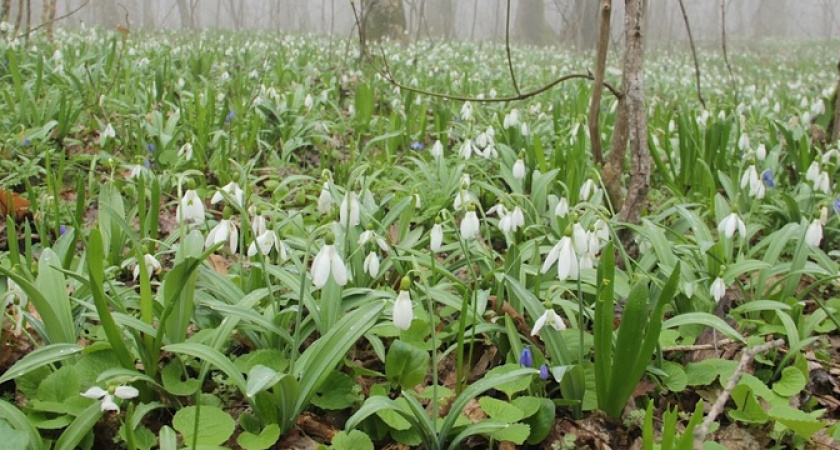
5 10
598 81
148 14
48 17
19 17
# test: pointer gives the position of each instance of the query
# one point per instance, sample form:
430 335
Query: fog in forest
542 22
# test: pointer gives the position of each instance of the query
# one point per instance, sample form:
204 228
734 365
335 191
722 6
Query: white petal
436 238
126 392
217 197
321 267
337 268
552 256
95 393
108 404
403 312
538 325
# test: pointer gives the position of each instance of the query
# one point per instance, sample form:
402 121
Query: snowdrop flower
225 230
512 221
823 183
511 119
761 152
813 172
489 152
744 142
587 190
190 208
106 398
579 238
325 200
136 169
466 111
349 210
824 215
108 133
469 224
814 233
186 151
370 236
550 318
258 224
328 262
519 169
231 189
718 289
483 140
403 312
563 253
730 224
437 149
562 208
436 236
264 242
371 264
15 297
152 266
308 102
499 209
750 179
463 198
466 149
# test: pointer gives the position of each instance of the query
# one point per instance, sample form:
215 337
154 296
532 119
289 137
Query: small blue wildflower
544 372
61 230
147 164
837 206
230 117
417 146
767 176
26 142
150 148
526 358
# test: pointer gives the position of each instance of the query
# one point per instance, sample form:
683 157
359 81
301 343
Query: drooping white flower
579 238
814 233
152 266
225 230
813 172
371 264
437 149
135 169
499 209
308 102
519 169
550 318
524 130
186 151
823 183
403 311
436 237
511 119
258 224
718 289
744 142
563 253
107 133
263 243
730 224
751 180
466 111
562 208
469 225
328 262
463 199
325 200
587 190
349 210
466 149
761 152
106 398
231 189
190 208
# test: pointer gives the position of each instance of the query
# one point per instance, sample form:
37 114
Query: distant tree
5 10
186 15
586 21
48 16
383 19
148 14
531 26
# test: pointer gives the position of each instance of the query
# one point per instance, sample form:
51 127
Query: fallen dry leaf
13 204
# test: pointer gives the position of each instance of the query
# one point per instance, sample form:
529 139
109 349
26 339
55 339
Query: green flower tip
329 239
405 283
227 212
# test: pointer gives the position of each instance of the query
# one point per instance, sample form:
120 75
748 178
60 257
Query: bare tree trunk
5 10
531 26
19 17
185 15
383 18
634 98
587 21
598 81
148 14
48 17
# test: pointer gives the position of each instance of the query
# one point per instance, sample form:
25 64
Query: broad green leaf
513 387
515 432
542 422
12 438
500 410
705 372
354 440
406 365
60 385
265 440
215 426
800 422
213 357
791 383
171 377
261 378
338 392
699 318
749 410
41 357
527 404
11 414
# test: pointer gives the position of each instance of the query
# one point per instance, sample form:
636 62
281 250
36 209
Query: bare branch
693 55
723 43
746 358
600 69
507 49
56 19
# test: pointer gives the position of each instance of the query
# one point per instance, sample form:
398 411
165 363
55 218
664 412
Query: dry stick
600 68
693 54
507 48
746 358
698 347
723 42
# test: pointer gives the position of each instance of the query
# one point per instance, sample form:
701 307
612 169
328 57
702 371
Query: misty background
572 22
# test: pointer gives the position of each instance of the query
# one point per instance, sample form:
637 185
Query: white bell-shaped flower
549 318
562 208
350 210
814 233
263 243
190 208
371 264
106 398
466 149
152 266
436 237
718 289
519 169
563 253
225 230
328 262
470 225
231 189
437 149
730 224
403 310
325 200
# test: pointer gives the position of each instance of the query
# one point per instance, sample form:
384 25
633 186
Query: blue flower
767 176
544 372
526 358
230 117
61 230
147 164
26 142
150 148
417 145
837 206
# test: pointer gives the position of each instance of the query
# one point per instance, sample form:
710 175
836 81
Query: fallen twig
717 407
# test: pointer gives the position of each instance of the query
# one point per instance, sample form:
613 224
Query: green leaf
60 385
542 422
500 410
699 318
12 438
171 377
800 422
273 359
354 440
79 428
338 392
39 358
791 383
18 421
261 378
676 379
267 438
516 433
406 365
509 388
527 404
214 425
705 372
749 410
213 357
